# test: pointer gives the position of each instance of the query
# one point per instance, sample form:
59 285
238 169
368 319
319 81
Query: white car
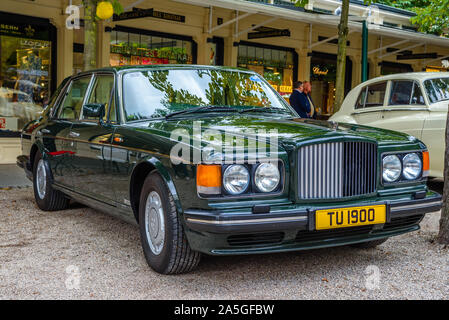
414 103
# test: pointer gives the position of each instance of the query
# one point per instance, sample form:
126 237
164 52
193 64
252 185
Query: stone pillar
303 65
64 49
103 45
356 69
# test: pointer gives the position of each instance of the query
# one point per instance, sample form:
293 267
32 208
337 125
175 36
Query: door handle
74 134
45 130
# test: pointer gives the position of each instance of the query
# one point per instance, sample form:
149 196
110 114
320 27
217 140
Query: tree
90 28
431 16
443 234
341 55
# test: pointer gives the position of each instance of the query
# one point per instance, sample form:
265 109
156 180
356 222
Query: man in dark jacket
299 101
307 89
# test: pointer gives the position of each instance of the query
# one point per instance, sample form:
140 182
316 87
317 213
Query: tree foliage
432 16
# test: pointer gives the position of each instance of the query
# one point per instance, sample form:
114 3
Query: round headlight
236 179
412 166
391 168
267 177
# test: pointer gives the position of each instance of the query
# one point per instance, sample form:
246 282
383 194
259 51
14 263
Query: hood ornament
334 125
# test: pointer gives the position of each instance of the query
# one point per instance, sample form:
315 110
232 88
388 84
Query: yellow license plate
349 217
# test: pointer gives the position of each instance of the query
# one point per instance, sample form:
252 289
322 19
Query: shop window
323 71
144 48
25 80
275 65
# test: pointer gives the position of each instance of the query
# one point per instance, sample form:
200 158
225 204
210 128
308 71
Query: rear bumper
226 233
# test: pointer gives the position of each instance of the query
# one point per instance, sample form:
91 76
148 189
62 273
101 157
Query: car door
370 104
92 136
406 110
55 135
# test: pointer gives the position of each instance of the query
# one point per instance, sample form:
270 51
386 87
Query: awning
269 10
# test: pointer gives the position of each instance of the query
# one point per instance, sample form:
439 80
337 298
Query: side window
101 92
71 107
361 100
417 97
401 92
375 95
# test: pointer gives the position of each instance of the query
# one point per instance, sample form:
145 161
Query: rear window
372 95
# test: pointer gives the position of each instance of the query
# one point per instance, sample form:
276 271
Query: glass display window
275 64
142 47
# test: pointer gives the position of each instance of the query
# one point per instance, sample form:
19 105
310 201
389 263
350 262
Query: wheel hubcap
41 179
154 222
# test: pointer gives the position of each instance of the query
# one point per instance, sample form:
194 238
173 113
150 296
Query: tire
46 197
162 235
369 244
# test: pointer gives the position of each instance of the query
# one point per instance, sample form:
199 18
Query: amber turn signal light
425 163
208 179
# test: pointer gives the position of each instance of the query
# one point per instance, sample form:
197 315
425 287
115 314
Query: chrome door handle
45 130
74 134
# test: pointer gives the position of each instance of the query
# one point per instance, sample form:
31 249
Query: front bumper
286 229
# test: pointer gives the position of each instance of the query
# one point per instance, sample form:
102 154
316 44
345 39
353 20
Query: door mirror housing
95 111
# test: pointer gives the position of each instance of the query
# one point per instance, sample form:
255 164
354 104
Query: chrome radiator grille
336 170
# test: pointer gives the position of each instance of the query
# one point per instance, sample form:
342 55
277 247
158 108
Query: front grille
256 239
336 170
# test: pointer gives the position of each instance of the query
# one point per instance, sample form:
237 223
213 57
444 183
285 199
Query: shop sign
316 70
269 33
145 13
2 123
24 31
134 14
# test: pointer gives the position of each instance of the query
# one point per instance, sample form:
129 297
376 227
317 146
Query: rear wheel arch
138 176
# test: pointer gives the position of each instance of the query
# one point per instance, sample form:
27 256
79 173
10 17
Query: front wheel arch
138 176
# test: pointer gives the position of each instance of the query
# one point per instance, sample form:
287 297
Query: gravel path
83 254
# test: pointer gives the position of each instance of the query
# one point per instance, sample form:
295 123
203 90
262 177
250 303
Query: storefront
278 65
27 74
323 71
130 46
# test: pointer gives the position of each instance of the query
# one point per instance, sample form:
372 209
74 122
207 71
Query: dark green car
213 160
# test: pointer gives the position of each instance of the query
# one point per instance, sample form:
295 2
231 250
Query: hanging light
104 10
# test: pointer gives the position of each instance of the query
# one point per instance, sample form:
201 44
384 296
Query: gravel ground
83 254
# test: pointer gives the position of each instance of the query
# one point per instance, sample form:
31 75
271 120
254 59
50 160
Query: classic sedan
414 103
212 160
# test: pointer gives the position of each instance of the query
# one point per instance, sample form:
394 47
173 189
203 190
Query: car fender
162 170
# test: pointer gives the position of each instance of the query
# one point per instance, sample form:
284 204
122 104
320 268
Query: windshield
155 94
437 89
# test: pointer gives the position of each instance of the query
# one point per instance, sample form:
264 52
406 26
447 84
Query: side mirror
94 110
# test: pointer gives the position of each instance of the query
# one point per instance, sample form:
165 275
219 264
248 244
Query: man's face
301 88
307 87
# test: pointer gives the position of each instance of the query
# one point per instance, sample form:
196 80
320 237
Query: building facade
282 42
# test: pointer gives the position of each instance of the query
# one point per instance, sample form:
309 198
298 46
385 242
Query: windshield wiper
263 109
201 109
